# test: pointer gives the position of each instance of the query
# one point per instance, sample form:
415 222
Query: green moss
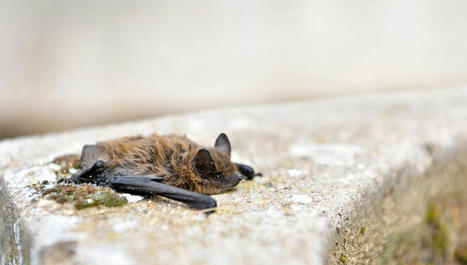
362 230
82 196
85 196
440 239
460 254
343 258
433 213
106 198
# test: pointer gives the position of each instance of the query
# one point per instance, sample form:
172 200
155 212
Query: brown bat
172 166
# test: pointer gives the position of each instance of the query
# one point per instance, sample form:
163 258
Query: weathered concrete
345 180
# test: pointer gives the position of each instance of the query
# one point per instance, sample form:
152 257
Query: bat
172 166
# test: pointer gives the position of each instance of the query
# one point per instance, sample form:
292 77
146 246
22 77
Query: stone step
377 179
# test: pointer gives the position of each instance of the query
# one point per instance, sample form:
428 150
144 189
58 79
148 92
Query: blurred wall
65 64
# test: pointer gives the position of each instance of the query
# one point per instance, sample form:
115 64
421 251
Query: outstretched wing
142 185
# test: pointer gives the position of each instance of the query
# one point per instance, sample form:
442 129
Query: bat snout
234 179
240 176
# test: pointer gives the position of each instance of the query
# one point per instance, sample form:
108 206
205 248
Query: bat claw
87 175
98 167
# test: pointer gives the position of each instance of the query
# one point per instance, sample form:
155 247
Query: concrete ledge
375 179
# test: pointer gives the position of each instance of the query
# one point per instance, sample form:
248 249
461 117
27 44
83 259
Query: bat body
172 166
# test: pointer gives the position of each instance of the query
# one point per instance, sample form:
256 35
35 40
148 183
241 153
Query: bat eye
219 177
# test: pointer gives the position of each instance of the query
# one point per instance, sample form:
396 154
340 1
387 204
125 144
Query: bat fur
170 165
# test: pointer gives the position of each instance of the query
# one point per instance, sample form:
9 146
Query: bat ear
203 163
223 143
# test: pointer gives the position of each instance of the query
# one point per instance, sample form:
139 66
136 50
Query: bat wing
247 171
93 172
142 185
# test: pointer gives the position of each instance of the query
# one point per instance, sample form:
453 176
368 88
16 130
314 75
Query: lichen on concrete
84 196
80 196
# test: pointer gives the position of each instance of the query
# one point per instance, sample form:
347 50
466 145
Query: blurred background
66 64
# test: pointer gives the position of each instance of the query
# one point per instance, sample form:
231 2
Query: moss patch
362 230
81 196
85 196
433 213
439 231
461 254
344 259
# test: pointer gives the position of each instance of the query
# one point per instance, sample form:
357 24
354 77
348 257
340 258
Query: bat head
214 169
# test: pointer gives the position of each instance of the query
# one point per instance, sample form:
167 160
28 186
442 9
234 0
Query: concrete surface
345 181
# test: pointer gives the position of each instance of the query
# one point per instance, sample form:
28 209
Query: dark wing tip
204 202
